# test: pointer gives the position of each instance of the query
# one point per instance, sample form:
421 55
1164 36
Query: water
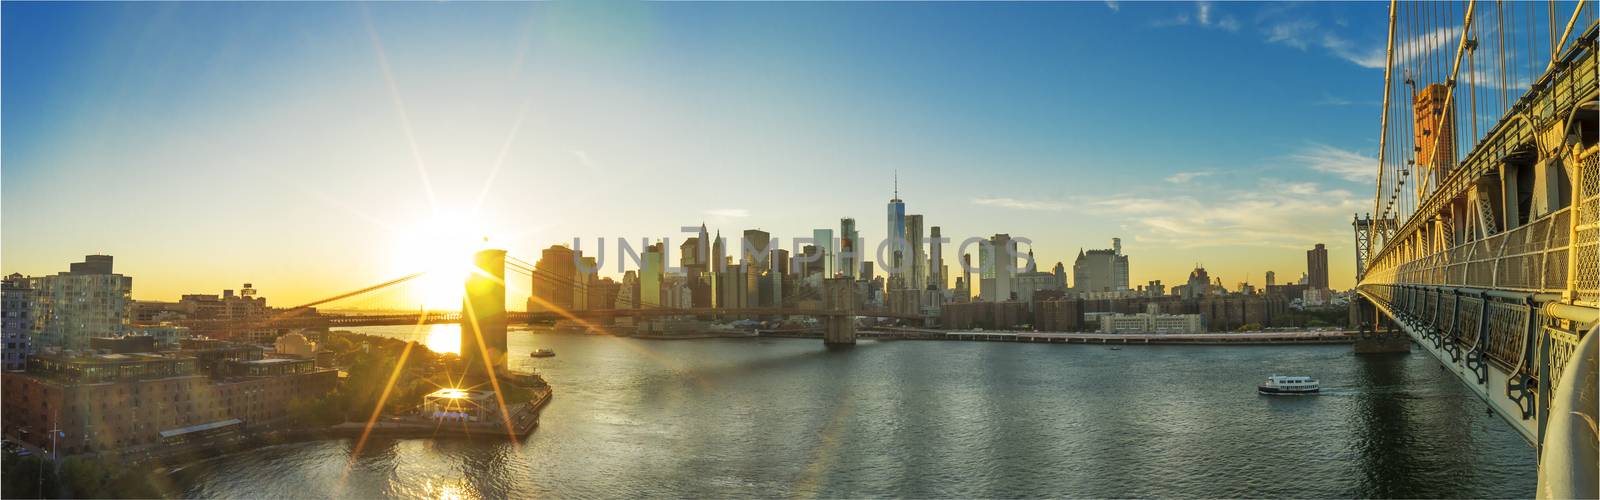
766 418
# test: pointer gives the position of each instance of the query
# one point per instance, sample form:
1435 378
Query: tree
22 478
86 478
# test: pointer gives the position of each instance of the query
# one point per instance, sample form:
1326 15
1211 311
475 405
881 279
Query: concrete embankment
1250 338
692 336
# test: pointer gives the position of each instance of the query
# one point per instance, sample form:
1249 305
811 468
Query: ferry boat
542 353
1283 385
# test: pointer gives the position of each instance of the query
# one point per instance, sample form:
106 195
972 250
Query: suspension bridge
1484 249
837 311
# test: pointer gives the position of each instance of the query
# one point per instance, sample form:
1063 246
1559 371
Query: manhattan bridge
1483 246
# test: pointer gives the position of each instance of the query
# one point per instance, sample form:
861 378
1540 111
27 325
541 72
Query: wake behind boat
1283 385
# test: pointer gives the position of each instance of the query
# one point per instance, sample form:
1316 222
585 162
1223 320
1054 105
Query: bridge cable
379 286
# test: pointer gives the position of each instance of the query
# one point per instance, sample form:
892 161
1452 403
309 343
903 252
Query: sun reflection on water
443 338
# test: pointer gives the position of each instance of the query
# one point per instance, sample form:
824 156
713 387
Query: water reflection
439 338
741 418
443 338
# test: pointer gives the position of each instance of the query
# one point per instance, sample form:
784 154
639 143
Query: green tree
86 478
21 478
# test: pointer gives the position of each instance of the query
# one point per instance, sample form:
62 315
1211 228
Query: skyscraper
1101 270
827 250
755 248
998 267
695 255
849 252
936 267
86 301
1317 267
703 249
17 321
552 281
919 257
585 276
896 236
651 273
716 268
1272 278
966 276
757 258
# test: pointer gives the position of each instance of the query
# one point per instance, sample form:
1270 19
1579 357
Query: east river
786 417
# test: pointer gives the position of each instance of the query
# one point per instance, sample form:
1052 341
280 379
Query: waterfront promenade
524 418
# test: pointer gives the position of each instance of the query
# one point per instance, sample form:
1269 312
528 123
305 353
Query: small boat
1283 385
1114 348
542 353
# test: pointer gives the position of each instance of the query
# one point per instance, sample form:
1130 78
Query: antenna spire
897 183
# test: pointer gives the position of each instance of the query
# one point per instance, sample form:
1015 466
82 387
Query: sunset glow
442 247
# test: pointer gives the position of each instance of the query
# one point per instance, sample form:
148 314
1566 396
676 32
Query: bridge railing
1529 338
1531 258
1558 253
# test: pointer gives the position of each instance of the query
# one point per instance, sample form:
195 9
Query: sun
443 247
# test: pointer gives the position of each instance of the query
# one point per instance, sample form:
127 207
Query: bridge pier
1377 334
483 317
839 299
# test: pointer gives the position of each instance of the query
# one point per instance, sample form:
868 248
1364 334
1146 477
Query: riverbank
692 336
1251 338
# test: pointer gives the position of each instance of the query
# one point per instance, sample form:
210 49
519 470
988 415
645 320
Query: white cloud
1350 165
1374 57
1014 203
1179 20
1292 33
1478 77
1305 33
1185 177
1273 213
1332 100
728 212
1204 15
1228 23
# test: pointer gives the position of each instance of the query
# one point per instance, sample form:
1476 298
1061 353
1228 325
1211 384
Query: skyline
308 164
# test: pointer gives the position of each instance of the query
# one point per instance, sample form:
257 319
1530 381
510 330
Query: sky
311 148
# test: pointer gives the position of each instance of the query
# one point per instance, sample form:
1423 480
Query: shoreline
1255 338
525 420
181 459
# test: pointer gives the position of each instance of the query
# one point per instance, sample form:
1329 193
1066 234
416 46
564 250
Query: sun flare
442 247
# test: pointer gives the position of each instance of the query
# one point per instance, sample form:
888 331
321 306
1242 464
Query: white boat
542 353
1286 385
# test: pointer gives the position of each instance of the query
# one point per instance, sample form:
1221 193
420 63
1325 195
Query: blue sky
296 145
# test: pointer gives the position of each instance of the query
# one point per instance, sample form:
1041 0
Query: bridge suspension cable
372 288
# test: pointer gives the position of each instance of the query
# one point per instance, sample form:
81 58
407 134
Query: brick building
128 401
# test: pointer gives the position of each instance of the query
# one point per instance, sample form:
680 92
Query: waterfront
786 417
